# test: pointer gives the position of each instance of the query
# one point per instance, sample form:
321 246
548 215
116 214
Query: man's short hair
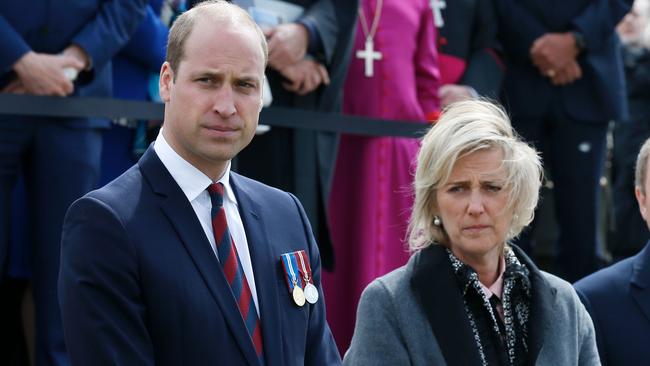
641 170
220 9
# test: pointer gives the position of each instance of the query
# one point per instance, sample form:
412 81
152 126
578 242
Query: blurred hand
452 93
14 87
567 75
287 44
78 53
305 76
42 74
553 52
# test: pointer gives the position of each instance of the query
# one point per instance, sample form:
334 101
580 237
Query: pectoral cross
436 6
369 54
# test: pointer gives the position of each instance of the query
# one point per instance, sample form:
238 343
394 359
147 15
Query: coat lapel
263 261
182 217
640 281
435 286
541 307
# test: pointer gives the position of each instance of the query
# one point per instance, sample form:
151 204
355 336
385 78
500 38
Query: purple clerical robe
371 196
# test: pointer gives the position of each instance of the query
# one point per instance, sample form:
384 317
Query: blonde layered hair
462 129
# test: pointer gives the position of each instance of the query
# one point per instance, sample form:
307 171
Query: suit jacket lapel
541 307
640 281
435 286
181 215
263 261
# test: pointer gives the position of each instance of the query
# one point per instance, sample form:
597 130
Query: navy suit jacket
140 284
618 299
100 27
600 94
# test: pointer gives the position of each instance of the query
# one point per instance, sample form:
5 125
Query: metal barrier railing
44 106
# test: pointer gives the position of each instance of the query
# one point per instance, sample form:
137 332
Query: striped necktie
232 269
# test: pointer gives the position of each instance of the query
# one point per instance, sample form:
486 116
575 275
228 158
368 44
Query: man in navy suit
149 275
54 48
564 82
618 297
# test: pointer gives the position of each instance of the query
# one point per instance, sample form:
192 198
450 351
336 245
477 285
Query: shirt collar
191 180
497 287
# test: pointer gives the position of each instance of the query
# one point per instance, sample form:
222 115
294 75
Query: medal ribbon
291 268
306 271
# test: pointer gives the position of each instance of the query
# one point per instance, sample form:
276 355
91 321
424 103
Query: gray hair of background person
641 170
184 24
462 129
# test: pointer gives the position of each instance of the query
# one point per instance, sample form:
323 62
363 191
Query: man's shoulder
607 280
258 191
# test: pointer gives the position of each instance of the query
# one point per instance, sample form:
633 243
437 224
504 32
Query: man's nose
224 101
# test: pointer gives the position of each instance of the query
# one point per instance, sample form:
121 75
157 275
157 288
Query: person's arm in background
90 49
314 34
427 73
485 67
148 43
35 73
107 32
518 29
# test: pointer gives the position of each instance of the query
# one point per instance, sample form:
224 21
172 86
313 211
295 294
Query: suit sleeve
13 46
320 347
597 21
585 301
377 339
485 68
322 15
109 30
427 74
518 29
101 301
148 43
588 353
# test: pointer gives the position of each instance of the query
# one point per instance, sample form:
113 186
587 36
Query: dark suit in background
618 299
302 161
568 123
59 157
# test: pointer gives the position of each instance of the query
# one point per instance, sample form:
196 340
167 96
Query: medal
291 270
298 296
311 293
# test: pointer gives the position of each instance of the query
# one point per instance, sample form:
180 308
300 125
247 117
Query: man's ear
641 198
166 81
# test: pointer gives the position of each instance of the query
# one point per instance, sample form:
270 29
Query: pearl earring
436 221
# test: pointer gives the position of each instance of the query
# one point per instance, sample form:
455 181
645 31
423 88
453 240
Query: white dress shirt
194 184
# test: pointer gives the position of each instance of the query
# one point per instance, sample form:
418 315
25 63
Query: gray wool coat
415 316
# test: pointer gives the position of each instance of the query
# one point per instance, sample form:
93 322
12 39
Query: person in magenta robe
372 193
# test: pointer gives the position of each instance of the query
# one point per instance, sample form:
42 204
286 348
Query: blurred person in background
630 231
467 296
61 48
135 71
393 75
308 59
618 297
468 51
564 83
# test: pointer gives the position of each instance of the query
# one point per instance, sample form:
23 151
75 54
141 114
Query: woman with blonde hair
466 296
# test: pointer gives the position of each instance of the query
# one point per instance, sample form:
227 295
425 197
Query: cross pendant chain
369 55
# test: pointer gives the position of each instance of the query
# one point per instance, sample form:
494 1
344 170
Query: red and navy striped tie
232 268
